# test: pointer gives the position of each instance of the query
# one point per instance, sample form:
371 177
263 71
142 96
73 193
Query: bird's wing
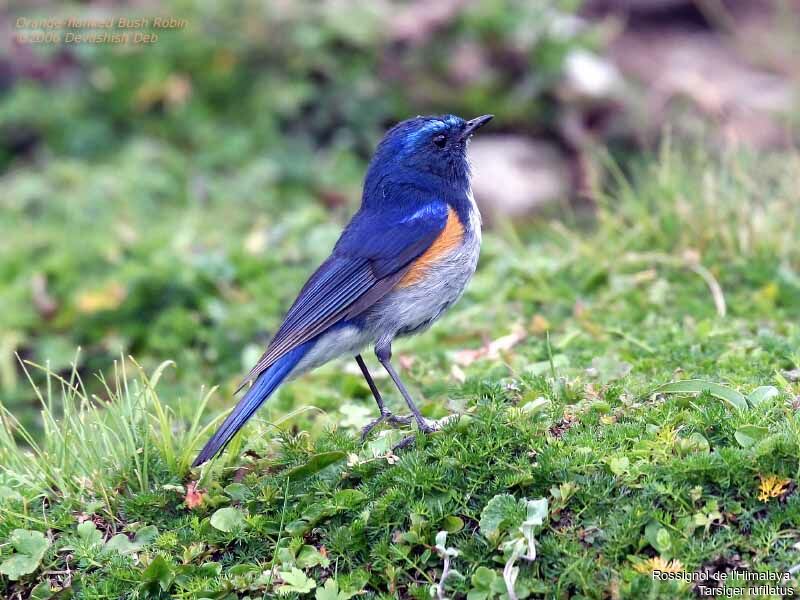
372 255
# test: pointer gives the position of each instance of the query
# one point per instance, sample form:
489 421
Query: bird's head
426 150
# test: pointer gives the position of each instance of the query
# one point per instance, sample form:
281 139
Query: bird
405 257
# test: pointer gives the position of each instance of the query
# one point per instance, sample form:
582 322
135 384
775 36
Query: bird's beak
475 124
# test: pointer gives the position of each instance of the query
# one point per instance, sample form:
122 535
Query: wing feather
371 256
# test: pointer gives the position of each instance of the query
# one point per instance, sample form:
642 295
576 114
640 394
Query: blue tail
263 387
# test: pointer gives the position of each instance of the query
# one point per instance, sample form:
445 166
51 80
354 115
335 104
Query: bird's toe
399 421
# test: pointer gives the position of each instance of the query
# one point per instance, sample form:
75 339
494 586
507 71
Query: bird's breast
437 279
448 241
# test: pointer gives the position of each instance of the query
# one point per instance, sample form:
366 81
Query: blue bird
405 257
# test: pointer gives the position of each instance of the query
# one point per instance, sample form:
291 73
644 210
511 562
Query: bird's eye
440 141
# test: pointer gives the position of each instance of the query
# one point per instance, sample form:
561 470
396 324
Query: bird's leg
386 414
383 350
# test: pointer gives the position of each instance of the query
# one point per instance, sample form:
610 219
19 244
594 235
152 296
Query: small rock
591 77
793 375
515 175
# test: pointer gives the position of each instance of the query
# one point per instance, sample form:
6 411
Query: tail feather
263 387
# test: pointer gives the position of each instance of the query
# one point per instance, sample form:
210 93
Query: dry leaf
493 349
772 487
406 361
457 374
194 496
539 324
45 305
108 297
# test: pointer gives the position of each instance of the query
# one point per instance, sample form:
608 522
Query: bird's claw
390 419
404 443
425 426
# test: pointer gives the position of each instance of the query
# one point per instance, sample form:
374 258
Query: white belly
414 308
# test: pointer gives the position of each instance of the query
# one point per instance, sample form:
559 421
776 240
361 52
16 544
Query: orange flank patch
451 237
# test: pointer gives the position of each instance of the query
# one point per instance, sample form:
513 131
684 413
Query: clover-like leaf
42 591
483 580
238 492
295 582
536 512
331 591
120 544
9 495
30 547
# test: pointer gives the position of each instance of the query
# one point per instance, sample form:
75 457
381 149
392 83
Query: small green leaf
159 571
309 556
146 535
695 442
244 569
88 532
610 368
619 465
663 540
238 491
295 582
298 527
658 537
349 498
535 406
331 591
42 591
9 495
30 547
762 394
227 519
499 514
482 582
120 544
452 524
698 386
560 361
749 435
315 464
441 545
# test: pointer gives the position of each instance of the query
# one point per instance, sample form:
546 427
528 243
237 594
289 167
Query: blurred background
166 200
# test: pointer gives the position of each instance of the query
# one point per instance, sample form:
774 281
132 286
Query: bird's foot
425 426
388 418
430 426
